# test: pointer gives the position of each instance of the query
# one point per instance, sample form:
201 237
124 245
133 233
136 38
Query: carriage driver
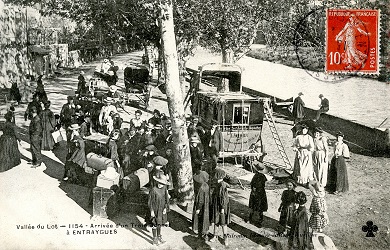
104 117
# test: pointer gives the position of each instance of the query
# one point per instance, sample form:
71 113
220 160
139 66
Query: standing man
324 107
35 132
298 109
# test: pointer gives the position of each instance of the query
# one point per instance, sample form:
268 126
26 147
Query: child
258 198
286 208
220 205
200 215
299 238
318 219
158 203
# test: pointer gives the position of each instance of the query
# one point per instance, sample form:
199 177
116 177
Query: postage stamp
352 41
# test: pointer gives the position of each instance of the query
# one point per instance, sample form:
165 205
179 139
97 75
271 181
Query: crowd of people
148 144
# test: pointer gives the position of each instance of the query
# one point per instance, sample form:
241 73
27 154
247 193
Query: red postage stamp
352 41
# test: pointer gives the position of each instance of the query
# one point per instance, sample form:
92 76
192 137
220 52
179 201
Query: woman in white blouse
303 165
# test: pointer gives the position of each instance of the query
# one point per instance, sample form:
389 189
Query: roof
229 96
229 67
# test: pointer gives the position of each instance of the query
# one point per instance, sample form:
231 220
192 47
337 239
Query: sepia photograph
195 124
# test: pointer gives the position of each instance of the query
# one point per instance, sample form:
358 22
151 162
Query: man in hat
200 214
67 112
105 114
258 198
158 203
113 92
35 131
298 108
196 153
324 106
149 137
156 119
164 136
34 103
76 159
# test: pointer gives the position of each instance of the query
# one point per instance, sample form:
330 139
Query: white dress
303 165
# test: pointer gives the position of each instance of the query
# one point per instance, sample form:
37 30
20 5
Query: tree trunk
184 187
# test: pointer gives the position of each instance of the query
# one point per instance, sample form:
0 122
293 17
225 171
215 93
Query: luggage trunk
98 162
104 203
136 180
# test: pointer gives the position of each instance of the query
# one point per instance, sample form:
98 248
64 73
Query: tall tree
175 104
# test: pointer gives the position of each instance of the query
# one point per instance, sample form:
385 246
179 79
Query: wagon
137 84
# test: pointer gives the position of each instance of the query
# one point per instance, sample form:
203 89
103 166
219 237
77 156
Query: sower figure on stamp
324 107
258 198
298 108
158 203
35 131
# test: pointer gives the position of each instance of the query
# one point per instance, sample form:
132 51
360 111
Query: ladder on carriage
271 123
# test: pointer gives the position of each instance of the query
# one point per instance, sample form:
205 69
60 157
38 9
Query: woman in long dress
9 151
48 125
303 165
320 157
338 174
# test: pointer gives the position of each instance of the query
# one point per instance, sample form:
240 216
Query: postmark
352 41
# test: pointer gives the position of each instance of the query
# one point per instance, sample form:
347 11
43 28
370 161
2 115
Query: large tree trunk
184 187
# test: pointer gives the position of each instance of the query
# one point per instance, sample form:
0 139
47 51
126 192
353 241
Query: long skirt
9 153
258 201
47 140
287 216
303 167
320 167
338 175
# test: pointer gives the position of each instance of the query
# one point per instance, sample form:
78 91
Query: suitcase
104 203
98 162
136 180
104 182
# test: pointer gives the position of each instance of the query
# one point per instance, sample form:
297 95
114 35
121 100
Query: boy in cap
158 203
220 205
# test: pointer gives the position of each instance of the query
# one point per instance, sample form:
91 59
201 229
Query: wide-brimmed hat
151 148
160 161
258 166
162 178
317 189
74 126
202 177
108 100
219 174
194 139
113 88
158 126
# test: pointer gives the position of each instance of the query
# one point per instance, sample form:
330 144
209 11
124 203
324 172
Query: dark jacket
35 129
77 154
298 108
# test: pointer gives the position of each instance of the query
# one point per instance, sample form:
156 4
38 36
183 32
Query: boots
155 239
159 238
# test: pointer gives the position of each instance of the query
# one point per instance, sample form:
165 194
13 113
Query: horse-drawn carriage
137 84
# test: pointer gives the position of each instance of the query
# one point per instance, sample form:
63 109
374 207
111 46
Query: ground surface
39 196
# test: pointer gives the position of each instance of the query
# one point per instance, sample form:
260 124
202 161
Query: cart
137 83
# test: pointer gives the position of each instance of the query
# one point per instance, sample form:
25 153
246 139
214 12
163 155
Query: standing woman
200 215
258 198
9 151
303 165
338 174
320 157
48 125
220 205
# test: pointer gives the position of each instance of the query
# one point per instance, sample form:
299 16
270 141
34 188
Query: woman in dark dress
40 90
338 174
200 214
48 125
15 93
220 205
299 237
286 208
258 198
158 204
9 151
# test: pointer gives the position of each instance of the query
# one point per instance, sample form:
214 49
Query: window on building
241 114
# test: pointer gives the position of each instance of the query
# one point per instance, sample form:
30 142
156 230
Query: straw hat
162 179
74 126
160 161
151 148
108 100
194 139
259 167
113 88
202 177
317 189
